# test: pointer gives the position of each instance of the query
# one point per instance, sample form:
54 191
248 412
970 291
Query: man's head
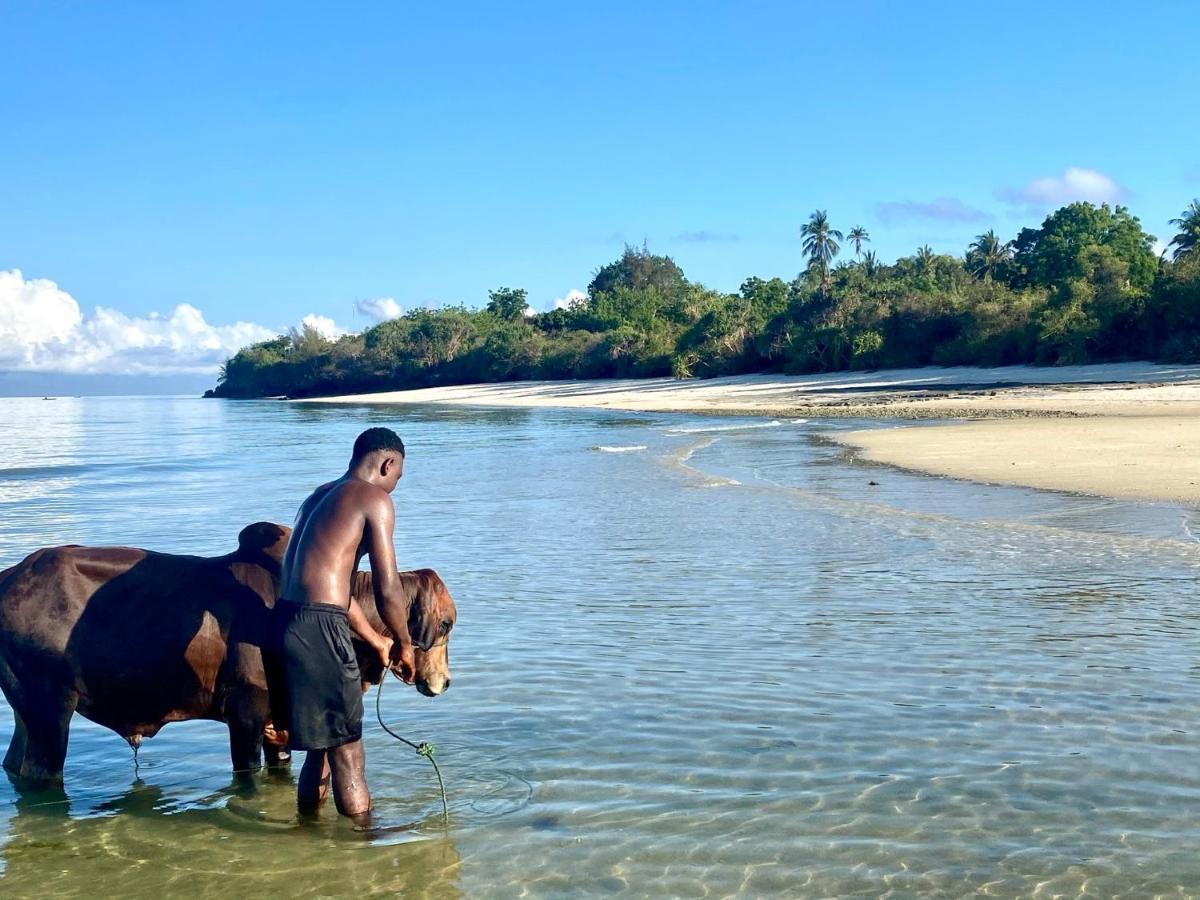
379 456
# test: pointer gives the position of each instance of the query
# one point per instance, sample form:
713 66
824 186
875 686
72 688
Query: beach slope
1124 430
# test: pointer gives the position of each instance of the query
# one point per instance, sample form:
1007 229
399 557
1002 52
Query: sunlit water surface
696 657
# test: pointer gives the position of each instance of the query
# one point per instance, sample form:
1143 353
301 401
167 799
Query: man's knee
350 792
348 758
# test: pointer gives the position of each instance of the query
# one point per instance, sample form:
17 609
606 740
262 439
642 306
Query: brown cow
133 639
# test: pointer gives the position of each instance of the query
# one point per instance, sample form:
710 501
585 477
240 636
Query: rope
425 749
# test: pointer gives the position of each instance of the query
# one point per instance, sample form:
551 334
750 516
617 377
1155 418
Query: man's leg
349 764
313 785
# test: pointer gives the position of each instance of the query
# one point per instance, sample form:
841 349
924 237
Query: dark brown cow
133 639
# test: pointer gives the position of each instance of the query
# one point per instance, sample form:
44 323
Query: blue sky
263 162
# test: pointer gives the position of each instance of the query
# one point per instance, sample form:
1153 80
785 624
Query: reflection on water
142 843
721 665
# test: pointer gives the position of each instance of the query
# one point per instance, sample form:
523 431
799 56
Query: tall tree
987 255
1187 241
858 236
820 244
508 303
870 263
1053 254
638 270
925 259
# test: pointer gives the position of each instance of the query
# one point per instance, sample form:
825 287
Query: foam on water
738 426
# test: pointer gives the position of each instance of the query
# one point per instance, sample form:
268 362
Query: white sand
897 393
1145 457
1124 430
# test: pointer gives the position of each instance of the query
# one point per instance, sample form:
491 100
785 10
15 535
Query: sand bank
941 393
1143 457
1124 430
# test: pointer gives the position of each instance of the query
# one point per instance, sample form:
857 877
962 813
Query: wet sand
1121 430
1154 457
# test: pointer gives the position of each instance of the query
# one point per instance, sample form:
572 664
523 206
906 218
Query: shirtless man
339 523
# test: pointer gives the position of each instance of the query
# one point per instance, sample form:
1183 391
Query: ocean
695 657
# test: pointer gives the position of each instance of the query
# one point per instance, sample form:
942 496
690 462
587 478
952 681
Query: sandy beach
1121 430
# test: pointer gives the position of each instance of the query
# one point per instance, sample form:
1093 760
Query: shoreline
1125 430
928 393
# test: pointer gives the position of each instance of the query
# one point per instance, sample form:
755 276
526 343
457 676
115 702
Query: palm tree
870 263
925 259
1187 241
987 254
820 243
858 236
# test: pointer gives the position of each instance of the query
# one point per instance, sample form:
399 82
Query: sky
177 180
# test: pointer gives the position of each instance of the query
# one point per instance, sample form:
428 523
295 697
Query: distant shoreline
1128 430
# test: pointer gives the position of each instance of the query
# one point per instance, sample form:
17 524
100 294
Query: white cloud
1073 184
42 329
573 296
380 309
323 325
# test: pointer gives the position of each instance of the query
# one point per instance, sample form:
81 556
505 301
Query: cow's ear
264 538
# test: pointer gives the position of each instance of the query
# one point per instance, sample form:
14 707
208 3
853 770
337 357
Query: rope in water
425 748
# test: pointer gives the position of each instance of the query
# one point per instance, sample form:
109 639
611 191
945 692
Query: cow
132 639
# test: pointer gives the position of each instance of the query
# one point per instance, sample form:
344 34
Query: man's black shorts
324 690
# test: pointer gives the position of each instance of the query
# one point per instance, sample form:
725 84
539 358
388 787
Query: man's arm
389 593
360 626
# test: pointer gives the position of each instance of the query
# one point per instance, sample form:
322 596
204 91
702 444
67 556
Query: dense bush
1084 286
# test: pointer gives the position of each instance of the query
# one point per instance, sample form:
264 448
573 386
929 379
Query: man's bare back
329 539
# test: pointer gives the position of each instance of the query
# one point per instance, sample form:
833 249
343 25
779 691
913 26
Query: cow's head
431 618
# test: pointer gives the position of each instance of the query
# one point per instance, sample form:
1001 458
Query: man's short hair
377 439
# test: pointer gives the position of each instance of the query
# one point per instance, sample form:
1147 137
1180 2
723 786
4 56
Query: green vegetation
1084 286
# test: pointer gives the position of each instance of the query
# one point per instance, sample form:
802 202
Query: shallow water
695 657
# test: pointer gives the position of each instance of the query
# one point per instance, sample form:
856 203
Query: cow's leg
12 693
16 747
47 718
245 743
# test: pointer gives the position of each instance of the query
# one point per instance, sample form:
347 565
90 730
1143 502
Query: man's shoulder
364 493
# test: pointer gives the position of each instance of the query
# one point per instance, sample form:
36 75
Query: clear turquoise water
723 665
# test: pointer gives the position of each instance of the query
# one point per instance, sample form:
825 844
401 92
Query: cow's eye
445 627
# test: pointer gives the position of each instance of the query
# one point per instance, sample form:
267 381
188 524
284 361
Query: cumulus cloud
574 295
43 329
1072 185
379 309
322 325
943 209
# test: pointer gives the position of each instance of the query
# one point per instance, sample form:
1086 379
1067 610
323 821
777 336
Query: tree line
1084 286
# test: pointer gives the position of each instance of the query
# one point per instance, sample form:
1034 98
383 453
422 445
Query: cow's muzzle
432 687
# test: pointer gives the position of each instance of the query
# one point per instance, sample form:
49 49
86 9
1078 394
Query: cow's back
140 636
43 597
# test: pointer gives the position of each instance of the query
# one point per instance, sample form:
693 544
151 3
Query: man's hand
405 660
383 647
